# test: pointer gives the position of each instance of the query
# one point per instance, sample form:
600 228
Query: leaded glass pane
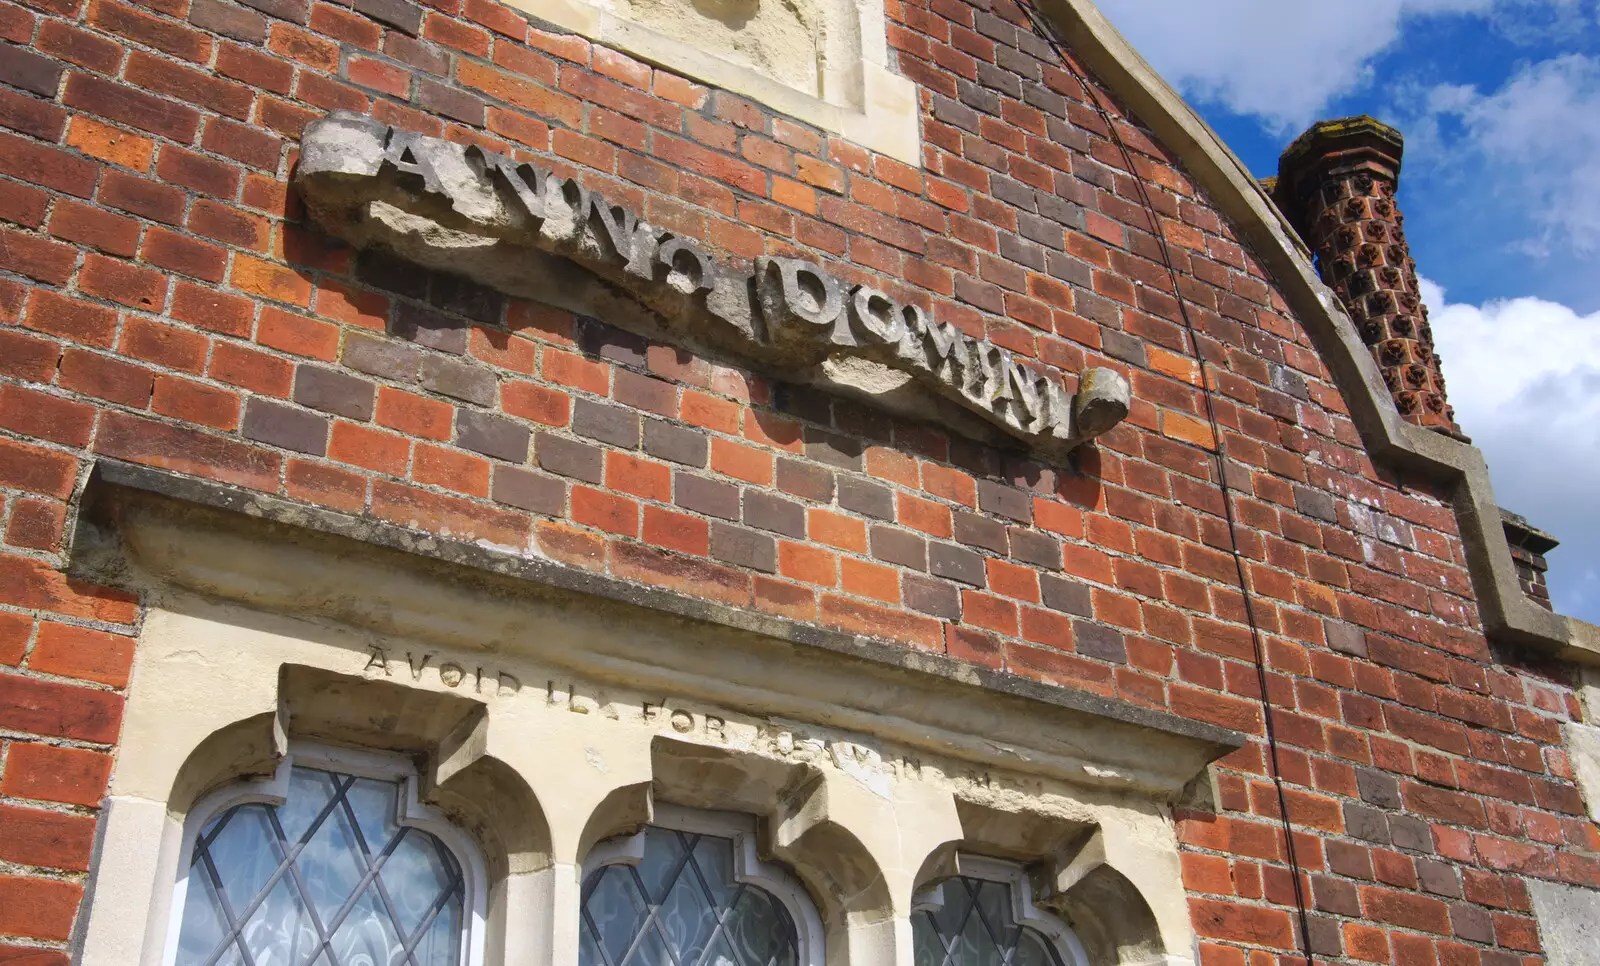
328 878
975 927
681 907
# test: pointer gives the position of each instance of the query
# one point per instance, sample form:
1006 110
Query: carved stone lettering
375 186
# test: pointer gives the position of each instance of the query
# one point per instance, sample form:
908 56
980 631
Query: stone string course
163 301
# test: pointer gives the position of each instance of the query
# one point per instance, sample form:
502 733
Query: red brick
38 908
125 105
141 196
69 318
698 578
449 516
207 308
47 166
203 174
141 440
36 469
117 281
255 68
195 402
45 416
30 583
325 485
55 710
36 524
882 623
605 511
271 281
80 47
243 143
165 35
450 468
36 257
94 227
676 531
184 255
79 652
297 334
414 415
251 369
369 448
228 225
40 772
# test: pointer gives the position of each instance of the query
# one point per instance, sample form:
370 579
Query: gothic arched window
333 870
985 917
690 892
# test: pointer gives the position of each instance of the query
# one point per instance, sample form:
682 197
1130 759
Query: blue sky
1500 104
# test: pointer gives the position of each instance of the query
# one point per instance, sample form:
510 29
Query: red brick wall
162 302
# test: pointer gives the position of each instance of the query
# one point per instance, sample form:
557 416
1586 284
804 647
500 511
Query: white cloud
1533 147
1280 61
1524 377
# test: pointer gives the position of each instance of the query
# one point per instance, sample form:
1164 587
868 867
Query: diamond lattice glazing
682 907
326 879
975 927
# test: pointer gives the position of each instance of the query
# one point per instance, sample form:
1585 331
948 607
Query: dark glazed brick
433 329
570 458
1048 233
1378 788
398 14
1316 504
669 442
388 272
228 20
900 547
1070 269
279 425
461 296
1411 834
643 392
833 449
744 548
805 479
496 436
23 68
767 512
929 596
294 11
1100 642
811 405
334 392
1066 596
1008 501
1031 546
605 422
957 563
867 499
1366 824
1346 638
1472 923
954 112
609 342
1325 935
528 490
1022 252
1120 345
711 497
382 357
979 531
459 380
1439 878
439 99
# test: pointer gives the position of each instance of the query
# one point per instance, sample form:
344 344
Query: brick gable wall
163 302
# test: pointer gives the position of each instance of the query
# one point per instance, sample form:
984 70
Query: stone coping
92 556
1508 615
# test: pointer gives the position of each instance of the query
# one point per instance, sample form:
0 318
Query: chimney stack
1337 183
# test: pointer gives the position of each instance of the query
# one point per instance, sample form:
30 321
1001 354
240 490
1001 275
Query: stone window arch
331 861
984 915
688 889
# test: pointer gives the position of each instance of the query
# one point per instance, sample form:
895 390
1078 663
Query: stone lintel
146 529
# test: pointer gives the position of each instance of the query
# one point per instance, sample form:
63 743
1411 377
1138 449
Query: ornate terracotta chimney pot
1337 183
